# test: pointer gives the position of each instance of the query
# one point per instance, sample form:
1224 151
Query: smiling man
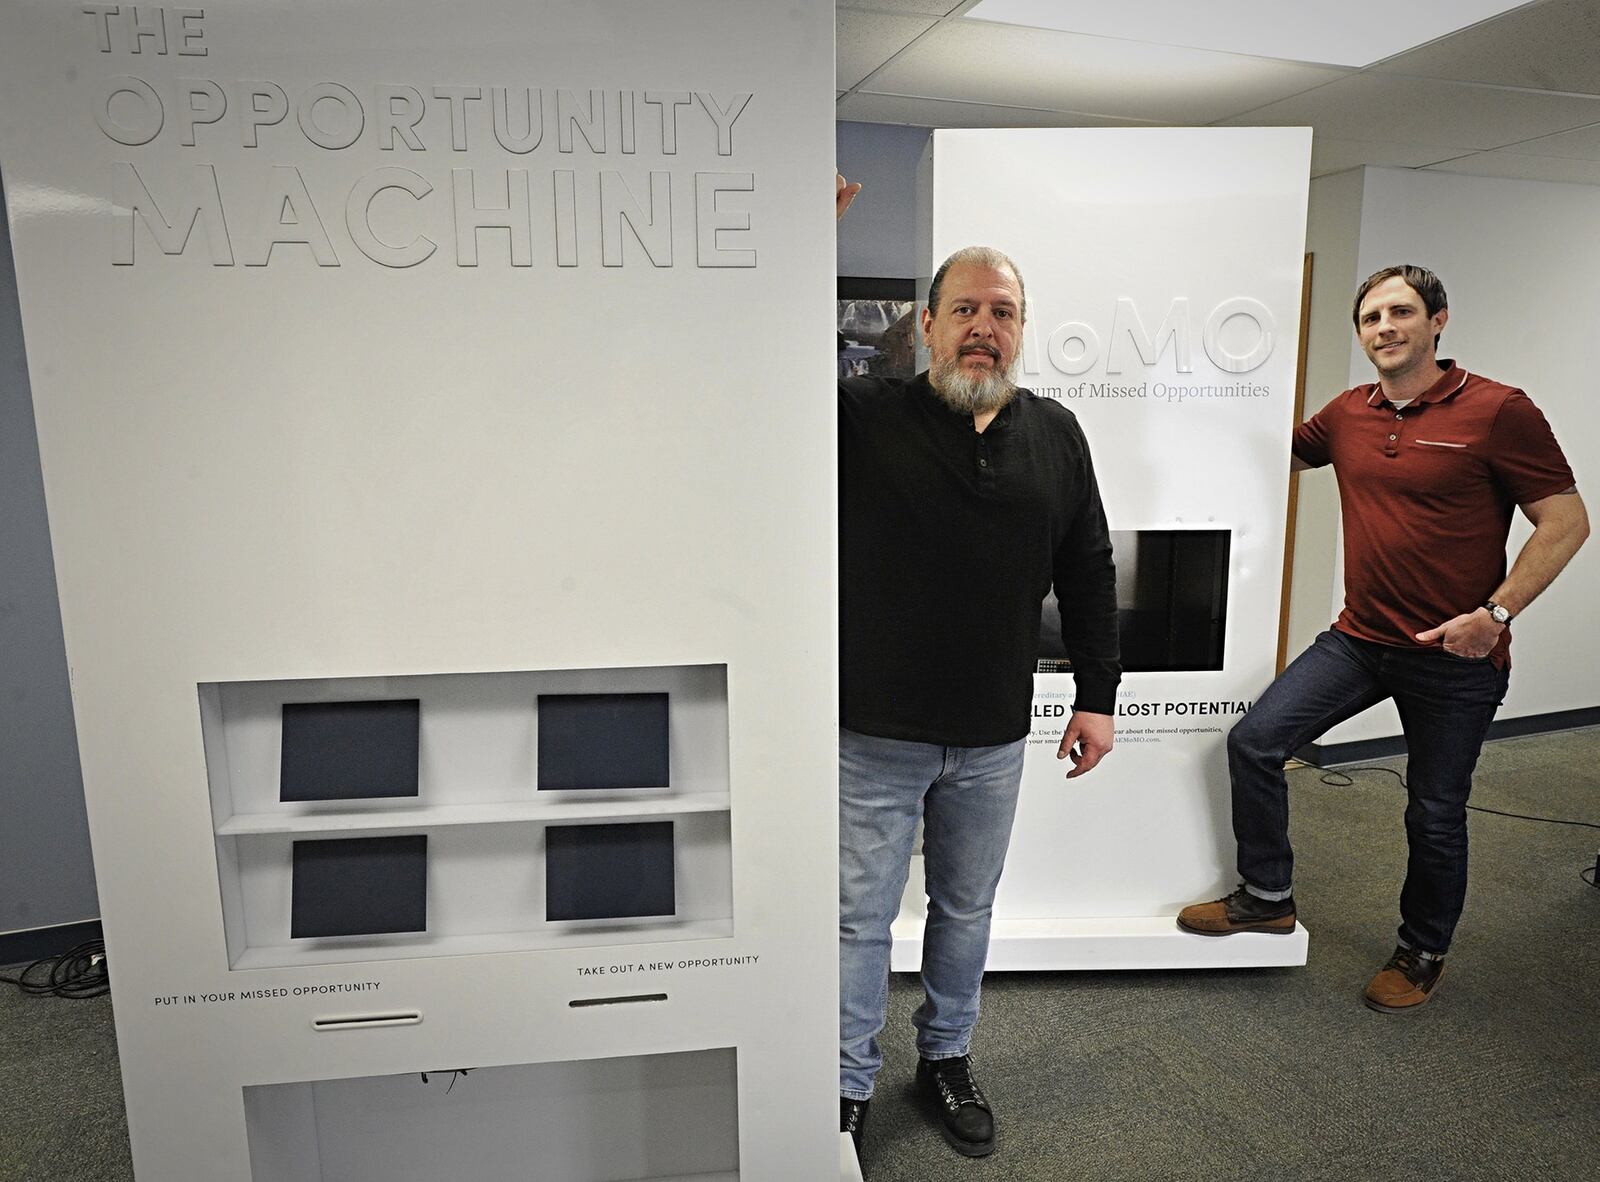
963 500
1431 461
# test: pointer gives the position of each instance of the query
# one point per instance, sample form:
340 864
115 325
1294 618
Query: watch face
1499 614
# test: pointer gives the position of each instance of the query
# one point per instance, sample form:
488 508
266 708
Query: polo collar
1451 378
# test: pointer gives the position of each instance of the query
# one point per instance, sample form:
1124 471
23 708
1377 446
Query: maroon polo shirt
1427 492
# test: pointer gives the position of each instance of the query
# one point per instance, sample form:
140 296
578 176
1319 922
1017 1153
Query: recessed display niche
663 1117
1172 602
367 818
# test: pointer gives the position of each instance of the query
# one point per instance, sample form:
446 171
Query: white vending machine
437 427
1163 277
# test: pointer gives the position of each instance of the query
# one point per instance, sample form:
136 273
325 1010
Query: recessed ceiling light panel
1347 33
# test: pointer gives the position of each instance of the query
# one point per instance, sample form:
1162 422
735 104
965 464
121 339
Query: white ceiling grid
1516 94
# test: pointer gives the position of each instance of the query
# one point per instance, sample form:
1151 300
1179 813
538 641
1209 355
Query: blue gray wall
46 876
877 237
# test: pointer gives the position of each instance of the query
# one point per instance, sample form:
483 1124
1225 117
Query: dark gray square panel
359 886
349 750
621 871
603 741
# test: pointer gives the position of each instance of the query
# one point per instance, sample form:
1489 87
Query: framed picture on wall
877 327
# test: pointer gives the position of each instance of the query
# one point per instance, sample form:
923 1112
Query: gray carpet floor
1270 1074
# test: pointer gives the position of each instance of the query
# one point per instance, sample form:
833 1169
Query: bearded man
963 500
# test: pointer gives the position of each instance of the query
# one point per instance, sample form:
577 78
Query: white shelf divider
444 815
415 944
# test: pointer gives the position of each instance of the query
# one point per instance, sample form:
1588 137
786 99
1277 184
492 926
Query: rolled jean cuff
1269 896
1422 953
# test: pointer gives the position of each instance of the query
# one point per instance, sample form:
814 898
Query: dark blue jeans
1446 704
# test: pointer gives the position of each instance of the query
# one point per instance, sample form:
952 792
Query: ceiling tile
1332 155
1521 167
971 61
1341 32
1582 143
865 107
1550 46
904 7
1380 107
868 39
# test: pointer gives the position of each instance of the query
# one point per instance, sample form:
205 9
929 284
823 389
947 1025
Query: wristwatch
1497 613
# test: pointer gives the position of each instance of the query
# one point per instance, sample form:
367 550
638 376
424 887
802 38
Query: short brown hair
1419 279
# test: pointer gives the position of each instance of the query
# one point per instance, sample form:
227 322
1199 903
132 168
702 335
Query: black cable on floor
79 972
1344 780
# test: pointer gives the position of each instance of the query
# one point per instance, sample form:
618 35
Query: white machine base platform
849 1168
1124 942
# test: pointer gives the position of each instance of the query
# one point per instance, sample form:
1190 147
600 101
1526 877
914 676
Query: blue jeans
1446 704
966 798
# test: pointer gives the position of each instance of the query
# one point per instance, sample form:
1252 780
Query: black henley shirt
949 541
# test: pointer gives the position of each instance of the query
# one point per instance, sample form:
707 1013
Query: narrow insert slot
579 1003
363 1021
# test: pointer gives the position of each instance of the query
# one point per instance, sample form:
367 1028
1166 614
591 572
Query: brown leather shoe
1404 983
1239 912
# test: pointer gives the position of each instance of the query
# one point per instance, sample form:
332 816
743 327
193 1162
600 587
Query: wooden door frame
1294 477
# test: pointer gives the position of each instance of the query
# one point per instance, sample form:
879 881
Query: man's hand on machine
843 195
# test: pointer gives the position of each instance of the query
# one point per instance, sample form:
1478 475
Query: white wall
1518 259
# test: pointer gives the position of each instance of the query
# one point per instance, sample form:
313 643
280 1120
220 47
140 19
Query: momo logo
1237 336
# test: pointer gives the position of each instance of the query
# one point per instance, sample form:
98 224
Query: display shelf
475 796
485 893
439 816
478 742
375 948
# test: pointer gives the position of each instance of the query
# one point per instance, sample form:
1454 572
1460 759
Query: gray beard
969 393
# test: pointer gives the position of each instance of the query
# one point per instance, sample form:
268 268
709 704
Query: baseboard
33 944
1334 754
